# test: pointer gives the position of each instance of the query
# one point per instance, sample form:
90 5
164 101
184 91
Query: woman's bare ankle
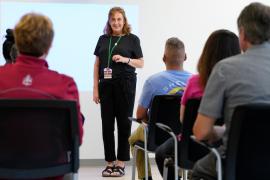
120 163
111 163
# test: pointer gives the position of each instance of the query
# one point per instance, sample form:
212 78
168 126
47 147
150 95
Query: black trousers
167 150
117 101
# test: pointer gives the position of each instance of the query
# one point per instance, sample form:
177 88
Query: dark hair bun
9 36
8 46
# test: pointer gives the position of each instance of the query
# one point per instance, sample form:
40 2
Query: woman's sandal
107 172
118 171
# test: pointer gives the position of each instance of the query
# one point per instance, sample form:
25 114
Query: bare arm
96 77
204 129
136 63
141 113
182 111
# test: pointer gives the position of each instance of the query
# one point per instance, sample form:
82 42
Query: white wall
190 20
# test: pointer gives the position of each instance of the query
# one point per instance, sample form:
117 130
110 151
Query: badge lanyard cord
111 49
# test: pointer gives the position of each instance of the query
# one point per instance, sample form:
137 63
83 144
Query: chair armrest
214 150
206 144
132 119
164 127
169 130
203 143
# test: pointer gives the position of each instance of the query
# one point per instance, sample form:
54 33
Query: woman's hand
96 96
119 58
136 63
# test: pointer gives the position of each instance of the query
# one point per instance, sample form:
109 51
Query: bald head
174 54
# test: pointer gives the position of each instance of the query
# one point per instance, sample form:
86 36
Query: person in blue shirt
171 81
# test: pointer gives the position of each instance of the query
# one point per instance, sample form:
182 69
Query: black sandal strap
107 171
120 170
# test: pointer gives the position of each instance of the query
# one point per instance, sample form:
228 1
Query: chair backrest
164 109
248 148
190 114
191 151
38 138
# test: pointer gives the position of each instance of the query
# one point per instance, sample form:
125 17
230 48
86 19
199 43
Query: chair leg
134 163
71 176
75 176
184 174
165 168
146 164
218 164
145 154
165 172
175 157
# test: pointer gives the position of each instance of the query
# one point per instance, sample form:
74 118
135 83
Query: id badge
107 73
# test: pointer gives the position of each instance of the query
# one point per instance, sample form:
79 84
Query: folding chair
248 146
164 109
38 138
188 150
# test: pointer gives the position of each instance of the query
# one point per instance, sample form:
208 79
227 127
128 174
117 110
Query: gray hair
175 43
255 21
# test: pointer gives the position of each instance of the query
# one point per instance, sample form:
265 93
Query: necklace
110 51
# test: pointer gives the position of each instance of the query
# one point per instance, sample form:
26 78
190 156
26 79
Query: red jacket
30 77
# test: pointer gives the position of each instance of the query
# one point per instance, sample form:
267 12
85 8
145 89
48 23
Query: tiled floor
94 173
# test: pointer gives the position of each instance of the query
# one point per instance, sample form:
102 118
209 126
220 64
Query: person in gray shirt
237 80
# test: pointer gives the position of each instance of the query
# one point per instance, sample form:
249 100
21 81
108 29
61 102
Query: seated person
219 45
171 81
238 80
9 47
29 77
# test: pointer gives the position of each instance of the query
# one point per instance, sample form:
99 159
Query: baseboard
101 162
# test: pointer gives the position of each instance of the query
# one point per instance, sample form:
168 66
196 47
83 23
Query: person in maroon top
29 76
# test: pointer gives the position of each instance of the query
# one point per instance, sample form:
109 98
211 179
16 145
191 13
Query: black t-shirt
128 46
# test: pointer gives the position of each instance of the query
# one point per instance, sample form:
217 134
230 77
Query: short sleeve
186 93
137 50
96 52
147 95
193 89
214 94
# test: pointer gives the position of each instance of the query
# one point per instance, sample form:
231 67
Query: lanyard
111 49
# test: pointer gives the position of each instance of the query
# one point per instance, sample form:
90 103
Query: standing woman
118 53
